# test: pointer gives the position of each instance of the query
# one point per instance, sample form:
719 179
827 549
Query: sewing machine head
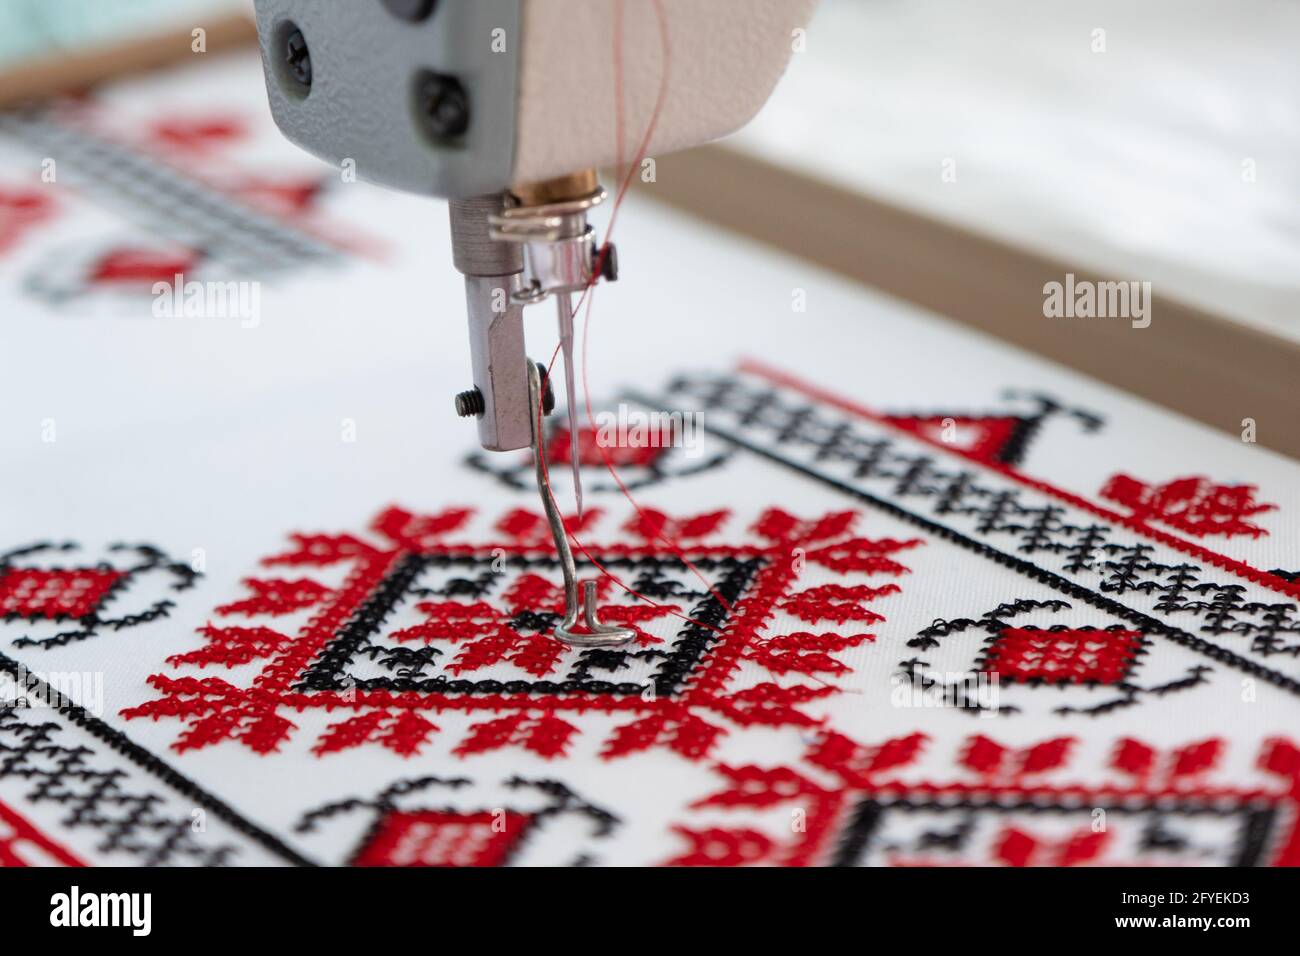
508 107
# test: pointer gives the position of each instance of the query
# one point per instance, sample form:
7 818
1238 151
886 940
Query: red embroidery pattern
433 838
851 805
592 453
21 844
434 821
20 210
1195 505
54 594
291 197
61 605
484 643
197 135
981 438
1063 655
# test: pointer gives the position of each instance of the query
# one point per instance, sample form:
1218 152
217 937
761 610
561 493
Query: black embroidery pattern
136 824
1119 653
1091 559
168 201
33 590
593 671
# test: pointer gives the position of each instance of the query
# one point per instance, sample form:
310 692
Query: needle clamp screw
470 403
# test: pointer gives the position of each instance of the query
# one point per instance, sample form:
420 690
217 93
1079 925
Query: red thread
588 293
546 481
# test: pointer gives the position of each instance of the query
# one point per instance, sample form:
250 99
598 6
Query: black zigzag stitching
760 409
106 792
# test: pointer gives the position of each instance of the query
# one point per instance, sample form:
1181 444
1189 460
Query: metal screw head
412 11
443 105
297 58
471 403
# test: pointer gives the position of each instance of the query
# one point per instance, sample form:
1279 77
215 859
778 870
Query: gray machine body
362 104
539 79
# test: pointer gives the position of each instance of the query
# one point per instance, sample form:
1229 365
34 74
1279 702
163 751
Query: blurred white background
1135 161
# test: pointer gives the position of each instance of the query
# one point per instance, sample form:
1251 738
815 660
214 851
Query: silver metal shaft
564 307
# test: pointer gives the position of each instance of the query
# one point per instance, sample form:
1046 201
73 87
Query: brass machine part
560 189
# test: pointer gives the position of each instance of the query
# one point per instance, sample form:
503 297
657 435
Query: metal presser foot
594 634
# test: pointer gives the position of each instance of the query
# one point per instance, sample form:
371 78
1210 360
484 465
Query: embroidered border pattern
850 804
138 809
503 621
1116 563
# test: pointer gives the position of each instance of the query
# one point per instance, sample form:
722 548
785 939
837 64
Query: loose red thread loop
646 520
588 293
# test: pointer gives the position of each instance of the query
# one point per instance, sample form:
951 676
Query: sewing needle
564 306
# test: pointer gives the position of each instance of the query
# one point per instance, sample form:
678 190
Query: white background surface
1127 161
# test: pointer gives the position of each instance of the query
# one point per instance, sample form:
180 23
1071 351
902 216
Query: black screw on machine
443 105
412 11
297 58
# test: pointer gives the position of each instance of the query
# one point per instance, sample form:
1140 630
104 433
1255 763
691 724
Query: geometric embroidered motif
1194 505
423 623
1066 655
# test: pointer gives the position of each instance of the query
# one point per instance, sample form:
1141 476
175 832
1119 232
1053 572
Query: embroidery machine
507 108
